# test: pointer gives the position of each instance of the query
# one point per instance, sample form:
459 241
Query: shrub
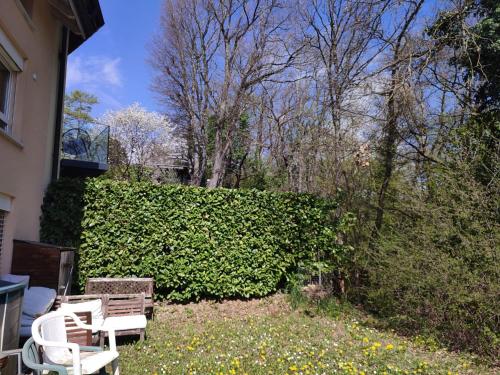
435 269
195 242
62 212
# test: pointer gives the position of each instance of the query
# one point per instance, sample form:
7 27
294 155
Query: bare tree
254 49
184 56
211 55
319 82
343 39
401 55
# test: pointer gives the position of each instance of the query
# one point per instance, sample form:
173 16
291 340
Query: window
5 93
11 62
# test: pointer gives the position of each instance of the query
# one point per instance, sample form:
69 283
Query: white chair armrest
111 331
81 324
69 345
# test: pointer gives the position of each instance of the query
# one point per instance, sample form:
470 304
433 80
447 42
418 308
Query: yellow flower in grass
293 368
365 339
389 347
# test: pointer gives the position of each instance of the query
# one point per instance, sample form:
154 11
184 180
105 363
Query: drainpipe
61 83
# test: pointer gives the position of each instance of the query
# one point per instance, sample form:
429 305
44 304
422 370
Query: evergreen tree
77 109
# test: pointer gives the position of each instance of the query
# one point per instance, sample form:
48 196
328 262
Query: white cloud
93 71
97 75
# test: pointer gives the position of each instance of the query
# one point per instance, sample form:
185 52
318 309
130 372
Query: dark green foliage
435 269
477 47
478 144
117 155
195 242
62 212
125 172
487 52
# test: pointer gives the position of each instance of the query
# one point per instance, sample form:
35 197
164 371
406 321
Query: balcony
84 151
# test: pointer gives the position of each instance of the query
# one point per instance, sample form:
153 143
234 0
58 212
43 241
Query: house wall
26 154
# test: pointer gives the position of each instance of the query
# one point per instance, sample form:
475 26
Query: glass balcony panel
89 143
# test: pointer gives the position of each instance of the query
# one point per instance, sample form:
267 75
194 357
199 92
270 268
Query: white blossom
145 136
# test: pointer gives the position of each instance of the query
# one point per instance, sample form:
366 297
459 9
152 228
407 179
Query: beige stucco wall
25 158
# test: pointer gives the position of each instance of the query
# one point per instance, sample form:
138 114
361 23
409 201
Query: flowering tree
145 137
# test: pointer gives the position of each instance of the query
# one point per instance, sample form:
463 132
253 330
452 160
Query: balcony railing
90 144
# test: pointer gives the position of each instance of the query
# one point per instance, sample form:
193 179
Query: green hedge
195 242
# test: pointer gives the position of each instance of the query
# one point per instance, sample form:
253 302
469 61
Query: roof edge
89 18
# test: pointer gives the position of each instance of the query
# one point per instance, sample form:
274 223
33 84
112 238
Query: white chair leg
114 365
112 340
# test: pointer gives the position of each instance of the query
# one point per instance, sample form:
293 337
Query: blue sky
112 64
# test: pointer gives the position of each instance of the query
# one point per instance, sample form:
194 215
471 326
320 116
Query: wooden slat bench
123 285
77 335
113 305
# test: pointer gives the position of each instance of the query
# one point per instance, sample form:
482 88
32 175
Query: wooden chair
124 310
77 335
123 313
123 285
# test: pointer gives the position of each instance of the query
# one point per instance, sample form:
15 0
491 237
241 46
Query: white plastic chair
49 331
121 324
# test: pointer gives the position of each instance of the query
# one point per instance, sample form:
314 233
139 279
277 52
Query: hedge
195 242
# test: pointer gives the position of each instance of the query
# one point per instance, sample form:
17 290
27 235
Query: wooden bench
77 335
113 305
125 285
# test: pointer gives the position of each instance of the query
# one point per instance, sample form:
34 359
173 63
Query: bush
195 242
435 269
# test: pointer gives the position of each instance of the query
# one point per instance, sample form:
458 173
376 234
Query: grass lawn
266 336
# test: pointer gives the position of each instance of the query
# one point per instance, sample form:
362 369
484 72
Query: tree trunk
218 168
389 153
390 144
